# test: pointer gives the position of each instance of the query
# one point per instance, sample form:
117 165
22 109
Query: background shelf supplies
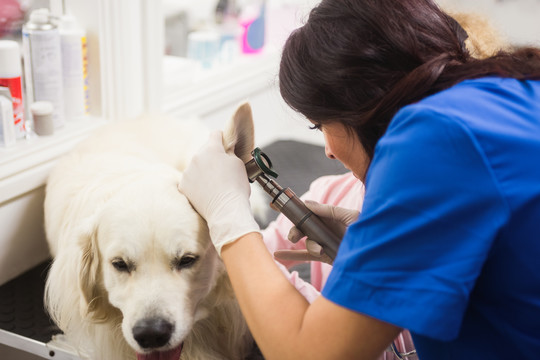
55 61
74 67
11 78
43 63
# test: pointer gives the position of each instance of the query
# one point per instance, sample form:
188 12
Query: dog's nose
152 333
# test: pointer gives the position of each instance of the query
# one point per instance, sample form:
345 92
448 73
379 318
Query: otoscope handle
290 205
306 221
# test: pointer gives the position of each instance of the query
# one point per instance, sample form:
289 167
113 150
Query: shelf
189 90
25 166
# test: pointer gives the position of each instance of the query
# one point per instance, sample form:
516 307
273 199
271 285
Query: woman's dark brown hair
359 61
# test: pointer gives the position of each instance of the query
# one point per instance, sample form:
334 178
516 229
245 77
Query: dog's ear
93 300
239 133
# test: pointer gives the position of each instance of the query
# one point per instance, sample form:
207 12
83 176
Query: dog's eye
121 265
185 261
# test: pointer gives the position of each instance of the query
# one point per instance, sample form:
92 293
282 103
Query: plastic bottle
74 67
42 112
226 17
43 63
253 22
203 46
7 131
10 77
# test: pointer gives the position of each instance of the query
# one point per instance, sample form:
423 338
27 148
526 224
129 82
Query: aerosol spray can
10 77
43 63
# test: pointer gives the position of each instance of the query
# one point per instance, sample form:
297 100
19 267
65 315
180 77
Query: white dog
134 271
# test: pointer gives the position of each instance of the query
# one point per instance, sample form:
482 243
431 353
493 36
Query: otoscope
259 168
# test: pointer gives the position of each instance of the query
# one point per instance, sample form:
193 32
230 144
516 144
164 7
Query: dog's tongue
173 354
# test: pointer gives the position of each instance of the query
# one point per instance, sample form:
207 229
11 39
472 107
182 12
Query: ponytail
359 62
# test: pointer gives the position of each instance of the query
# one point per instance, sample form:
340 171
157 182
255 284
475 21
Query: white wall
518 20
274 120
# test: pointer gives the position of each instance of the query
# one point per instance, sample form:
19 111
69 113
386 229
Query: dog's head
148 255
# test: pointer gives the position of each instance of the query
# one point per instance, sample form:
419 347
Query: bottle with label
74 67
43 63
253 22
226 17
10 77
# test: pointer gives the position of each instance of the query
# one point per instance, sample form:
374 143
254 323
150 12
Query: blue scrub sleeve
431 213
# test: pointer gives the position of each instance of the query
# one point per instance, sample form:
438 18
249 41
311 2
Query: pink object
11 14
253 26
246 49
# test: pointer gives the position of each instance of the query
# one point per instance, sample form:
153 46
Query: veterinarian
447 244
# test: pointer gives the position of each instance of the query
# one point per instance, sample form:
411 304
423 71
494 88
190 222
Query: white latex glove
216 184
336 218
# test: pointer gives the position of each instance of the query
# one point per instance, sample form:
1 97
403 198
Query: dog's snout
152 333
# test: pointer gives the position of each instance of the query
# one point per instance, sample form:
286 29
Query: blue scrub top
448 242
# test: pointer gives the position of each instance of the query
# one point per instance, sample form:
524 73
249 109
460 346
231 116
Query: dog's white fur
119 233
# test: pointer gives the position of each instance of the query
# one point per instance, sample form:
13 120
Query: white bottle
7 132
43 63
74 67
11 78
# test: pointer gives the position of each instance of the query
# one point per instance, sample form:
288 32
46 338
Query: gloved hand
336 218
216 184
